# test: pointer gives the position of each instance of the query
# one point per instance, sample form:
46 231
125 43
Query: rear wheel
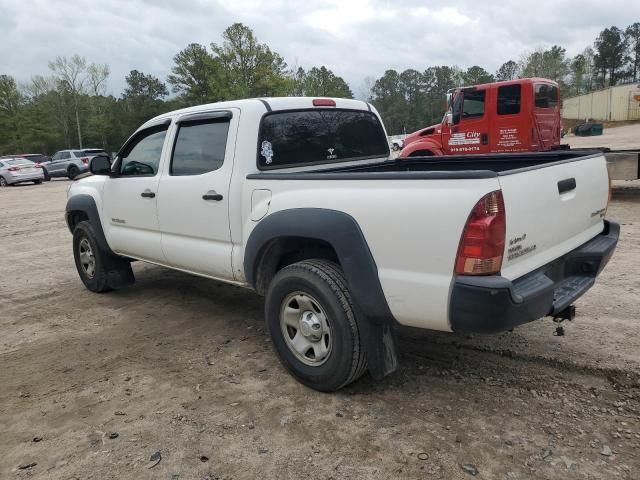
3 182
73 172
38 182
312 324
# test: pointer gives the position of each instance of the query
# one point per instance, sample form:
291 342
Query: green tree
196 76
144 86
142 99
476 75
509 70
10 128
578 67
388 98
250 69
610 47
551 64
322 82
632 34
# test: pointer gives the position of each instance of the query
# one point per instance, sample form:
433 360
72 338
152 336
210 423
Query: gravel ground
625 137
94 385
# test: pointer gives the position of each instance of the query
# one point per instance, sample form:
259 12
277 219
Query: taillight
610 190
85 160
37 165
13 169
482 243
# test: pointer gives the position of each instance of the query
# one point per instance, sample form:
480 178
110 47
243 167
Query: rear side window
306 137
78 153
473 104
509 99
546 96
199 147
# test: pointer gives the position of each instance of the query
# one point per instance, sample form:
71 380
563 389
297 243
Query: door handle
148 194
212 195
566 185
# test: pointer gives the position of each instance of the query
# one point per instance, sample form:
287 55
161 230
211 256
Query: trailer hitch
568 313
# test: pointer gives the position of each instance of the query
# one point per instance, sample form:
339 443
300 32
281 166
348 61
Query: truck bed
449 167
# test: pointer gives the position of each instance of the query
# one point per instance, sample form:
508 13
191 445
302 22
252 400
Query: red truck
512 116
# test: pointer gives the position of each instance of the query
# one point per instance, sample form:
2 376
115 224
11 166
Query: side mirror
100 165
449 118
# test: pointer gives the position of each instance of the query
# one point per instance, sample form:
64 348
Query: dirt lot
182 366
625 137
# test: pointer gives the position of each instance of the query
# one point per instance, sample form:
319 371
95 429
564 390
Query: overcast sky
354 38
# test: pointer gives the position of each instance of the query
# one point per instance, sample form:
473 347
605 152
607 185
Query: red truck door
471 132
511 131
546 115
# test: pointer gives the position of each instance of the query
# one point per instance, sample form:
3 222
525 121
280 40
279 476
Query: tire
3 182
47 177
37 182
317 290
72 172
108 271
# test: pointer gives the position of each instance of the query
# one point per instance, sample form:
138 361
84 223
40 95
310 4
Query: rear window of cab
310 137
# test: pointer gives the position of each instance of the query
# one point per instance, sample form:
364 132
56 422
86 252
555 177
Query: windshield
319 136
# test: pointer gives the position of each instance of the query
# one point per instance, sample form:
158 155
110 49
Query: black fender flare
86 204
343 233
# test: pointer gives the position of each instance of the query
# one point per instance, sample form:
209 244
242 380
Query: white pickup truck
297 199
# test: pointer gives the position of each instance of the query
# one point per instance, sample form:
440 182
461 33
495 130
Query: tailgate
551 210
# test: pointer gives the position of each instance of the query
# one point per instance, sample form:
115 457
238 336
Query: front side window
64 155
546 96
473 104
199 147
509 99
297 138
142 155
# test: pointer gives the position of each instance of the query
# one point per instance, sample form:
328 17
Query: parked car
297 199
15 170
39 159
71 163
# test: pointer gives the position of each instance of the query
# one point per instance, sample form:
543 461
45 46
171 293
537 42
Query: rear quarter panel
412 228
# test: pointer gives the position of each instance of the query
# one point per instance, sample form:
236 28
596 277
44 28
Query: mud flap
120 274
381 350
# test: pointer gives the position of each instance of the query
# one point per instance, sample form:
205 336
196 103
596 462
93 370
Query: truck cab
503 117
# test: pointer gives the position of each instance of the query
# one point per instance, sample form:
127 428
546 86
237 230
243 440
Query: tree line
70 107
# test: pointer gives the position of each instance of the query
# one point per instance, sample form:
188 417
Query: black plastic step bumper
494 304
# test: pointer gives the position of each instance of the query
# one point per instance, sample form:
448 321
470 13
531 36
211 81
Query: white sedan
17 170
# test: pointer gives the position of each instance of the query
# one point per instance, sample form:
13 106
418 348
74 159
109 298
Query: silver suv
71 163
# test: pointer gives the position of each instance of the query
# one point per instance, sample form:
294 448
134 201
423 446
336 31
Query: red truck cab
512 116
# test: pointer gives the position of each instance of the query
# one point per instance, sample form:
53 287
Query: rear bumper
495 304
30 177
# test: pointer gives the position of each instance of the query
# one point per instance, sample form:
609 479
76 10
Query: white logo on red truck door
465 138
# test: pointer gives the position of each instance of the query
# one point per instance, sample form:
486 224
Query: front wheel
312 324
3 182
47 177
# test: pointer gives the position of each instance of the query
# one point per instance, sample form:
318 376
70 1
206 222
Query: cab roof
267 104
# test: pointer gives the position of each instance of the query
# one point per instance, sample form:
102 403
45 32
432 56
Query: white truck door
193 205
130 199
